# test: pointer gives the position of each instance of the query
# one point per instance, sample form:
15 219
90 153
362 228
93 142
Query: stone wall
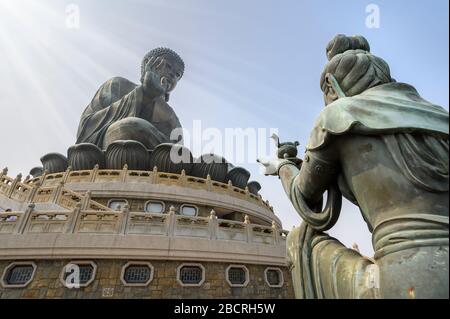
138 205
107 283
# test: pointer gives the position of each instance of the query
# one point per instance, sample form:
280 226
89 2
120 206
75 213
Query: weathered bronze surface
385 148
123 110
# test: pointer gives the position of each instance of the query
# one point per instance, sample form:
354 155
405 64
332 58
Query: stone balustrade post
72 224
66 174
209 183
13 186
275 233
212 225
85 201
43 176
33 192
171 222
248 229
94 173
23 221
57 192
124 173
183 179
154 178
124 219
4 172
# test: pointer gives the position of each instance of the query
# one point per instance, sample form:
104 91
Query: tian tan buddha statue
386 149
123 110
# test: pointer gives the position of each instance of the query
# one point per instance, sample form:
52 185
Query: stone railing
97 175
26 192
86 221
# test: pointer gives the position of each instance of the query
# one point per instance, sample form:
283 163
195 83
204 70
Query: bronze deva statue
386 149
123 110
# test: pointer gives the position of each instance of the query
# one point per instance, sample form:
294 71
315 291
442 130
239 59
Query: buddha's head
351 68
170 68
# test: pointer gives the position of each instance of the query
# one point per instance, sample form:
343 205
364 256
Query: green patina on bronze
384 148
123 110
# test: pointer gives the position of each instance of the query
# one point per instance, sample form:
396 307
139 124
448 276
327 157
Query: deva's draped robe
415 136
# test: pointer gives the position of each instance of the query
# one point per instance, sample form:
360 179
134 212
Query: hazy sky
248 64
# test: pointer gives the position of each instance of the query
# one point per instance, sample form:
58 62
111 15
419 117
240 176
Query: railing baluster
25 218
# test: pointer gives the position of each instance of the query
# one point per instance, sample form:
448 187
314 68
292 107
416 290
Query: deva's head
351 68
171 67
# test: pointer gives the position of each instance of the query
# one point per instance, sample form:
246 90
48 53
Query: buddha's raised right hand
152 81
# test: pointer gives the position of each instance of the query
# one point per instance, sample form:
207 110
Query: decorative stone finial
172 210
212 214
5 171
246 219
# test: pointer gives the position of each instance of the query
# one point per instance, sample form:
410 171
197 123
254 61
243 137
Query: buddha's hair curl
353 66
160 52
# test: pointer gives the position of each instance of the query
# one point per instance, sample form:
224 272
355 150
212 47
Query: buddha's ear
167 96
334 89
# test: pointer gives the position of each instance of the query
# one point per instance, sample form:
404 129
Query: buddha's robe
118 99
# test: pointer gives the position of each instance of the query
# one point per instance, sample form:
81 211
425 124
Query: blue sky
248 64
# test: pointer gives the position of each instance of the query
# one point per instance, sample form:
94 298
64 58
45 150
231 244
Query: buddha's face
170 72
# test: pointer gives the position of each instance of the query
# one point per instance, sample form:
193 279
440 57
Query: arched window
189 210
154 207
117 204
